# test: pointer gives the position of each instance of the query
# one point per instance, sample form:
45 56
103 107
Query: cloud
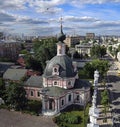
41 16
80 19
12 4
50 6
82 2
52 10
32 21
107 24
6 17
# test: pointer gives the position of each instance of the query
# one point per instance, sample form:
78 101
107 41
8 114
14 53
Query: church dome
61 37
65 66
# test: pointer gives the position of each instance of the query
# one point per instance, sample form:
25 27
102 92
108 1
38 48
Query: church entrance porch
50 107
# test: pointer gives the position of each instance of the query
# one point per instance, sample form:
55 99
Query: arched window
55 69
69 97
69 83
62 102
55 83
31 93
51 104
78 98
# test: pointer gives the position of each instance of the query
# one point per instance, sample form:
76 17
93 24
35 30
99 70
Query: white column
58 105
43 103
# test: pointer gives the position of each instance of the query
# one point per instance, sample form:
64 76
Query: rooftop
14 74
34 81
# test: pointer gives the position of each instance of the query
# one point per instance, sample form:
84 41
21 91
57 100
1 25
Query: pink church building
61 84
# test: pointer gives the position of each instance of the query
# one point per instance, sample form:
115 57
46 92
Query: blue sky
42 17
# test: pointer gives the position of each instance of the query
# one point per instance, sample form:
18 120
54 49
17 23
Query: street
113 83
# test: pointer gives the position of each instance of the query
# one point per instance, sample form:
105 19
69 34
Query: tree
98 51
104 101
101 65
24 51
102 51
16 96
2 88
45 49
110 49
76 55
33 63
89 70
22 46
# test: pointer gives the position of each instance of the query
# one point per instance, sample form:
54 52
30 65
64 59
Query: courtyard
17 119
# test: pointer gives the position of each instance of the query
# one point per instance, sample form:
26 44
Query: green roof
65 66
34 81
54 91
14 74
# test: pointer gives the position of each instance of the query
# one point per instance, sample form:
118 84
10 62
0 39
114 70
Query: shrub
34 106
69 118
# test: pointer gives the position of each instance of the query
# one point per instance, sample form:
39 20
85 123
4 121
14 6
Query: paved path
16 119
102 115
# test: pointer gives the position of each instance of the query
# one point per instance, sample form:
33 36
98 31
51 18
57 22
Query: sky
42 17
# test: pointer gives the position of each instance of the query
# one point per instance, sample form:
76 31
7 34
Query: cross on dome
61 36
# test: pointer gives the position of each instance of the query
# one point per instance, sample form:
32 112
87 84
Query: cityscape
59 63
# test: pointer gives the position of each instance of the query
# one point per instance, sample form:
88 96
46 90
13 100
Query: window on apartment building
31 93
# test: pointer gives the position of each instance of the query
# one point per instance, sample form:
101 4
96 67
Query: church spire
61 36
61 25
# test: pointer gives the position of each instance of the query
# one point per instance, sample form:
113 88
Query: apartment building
71 41
9 49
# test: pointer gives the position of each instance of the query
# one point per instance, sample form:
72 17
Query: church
61 84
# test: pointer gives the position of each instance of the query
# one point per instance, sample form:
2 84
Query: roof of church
65 70
55 91
81 84
34 81
14 74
